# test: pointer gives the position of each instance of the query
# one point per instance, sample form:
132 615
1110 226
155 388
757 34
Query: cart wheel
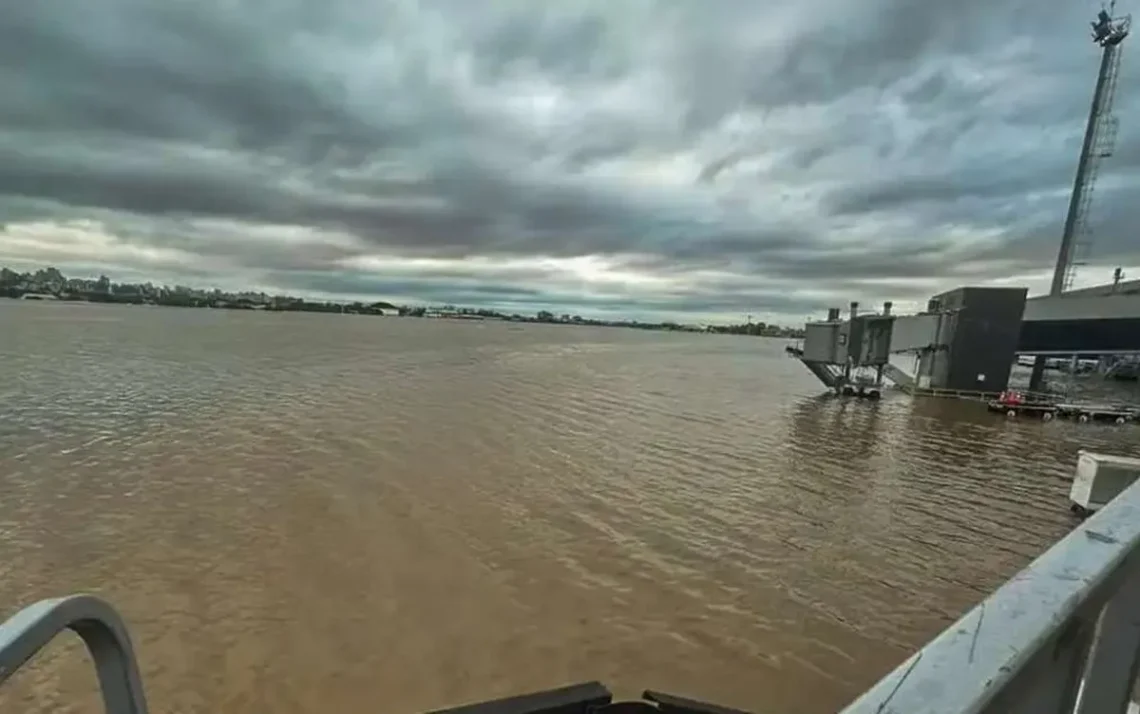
1011 413
1047 416
1120 420
1084 418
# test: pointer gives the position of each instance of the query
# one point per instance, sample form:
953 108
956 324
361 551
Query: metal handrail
1061 636
977 394
951 393
102 631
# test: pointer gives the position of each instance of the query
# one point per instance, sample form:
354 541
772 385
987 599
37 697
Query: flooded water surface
324 513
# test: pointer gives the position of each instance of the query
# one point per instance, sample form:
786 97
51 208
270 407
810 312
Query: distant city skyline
51 283
606 310
464 292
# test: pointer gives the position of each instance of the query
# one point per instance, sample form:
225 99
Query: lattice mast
1100 138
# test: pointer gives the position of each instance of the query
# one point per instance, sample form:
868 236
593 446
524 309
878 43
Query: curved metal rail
1061 636
102 631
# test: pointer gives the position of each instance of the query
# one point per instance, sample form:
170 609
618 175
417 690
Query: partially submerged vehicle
1046 407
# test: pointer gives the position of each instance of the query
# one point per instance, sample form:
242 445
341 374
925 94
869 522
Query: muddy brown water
324 513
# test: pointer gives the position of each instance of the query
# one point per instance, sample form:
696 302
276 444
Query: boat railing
1063 635
944 393
102 631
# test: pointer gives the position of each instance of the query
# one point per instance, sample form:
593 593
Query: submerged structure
965 340
849 355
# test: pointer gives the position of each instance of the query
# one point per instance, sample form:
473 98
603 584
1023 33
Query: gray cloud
723 156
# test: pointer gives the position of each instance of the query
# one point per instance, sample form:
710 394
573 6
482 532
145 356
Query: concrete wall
1083 308
1124 287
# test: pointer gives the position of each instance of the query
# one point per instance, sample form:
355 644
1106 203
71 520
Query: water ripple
303 513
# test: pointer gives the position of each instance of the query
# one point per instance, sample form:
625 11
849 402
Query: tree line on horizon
52 284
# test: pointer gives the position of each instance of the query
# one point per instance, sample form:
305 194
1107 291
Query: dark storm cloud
888 40
791 150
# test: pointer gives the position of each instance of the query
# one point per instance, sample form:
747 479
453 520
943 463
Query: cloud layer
645 156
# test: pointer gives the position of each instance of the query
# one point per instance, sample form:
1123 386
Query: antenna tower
1100 138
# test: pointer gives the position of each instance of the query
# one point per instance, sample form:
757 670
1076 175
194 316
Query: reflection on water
309 513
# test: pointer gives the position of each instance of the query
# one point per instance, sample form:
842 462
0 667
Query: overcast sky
710 157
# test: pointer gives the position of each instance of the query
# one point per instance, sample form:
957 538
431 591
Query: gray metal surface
1080 337
1075 611
1126 287
898 376
916 333
1105 307
100 628
873 347
830 375
821 343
